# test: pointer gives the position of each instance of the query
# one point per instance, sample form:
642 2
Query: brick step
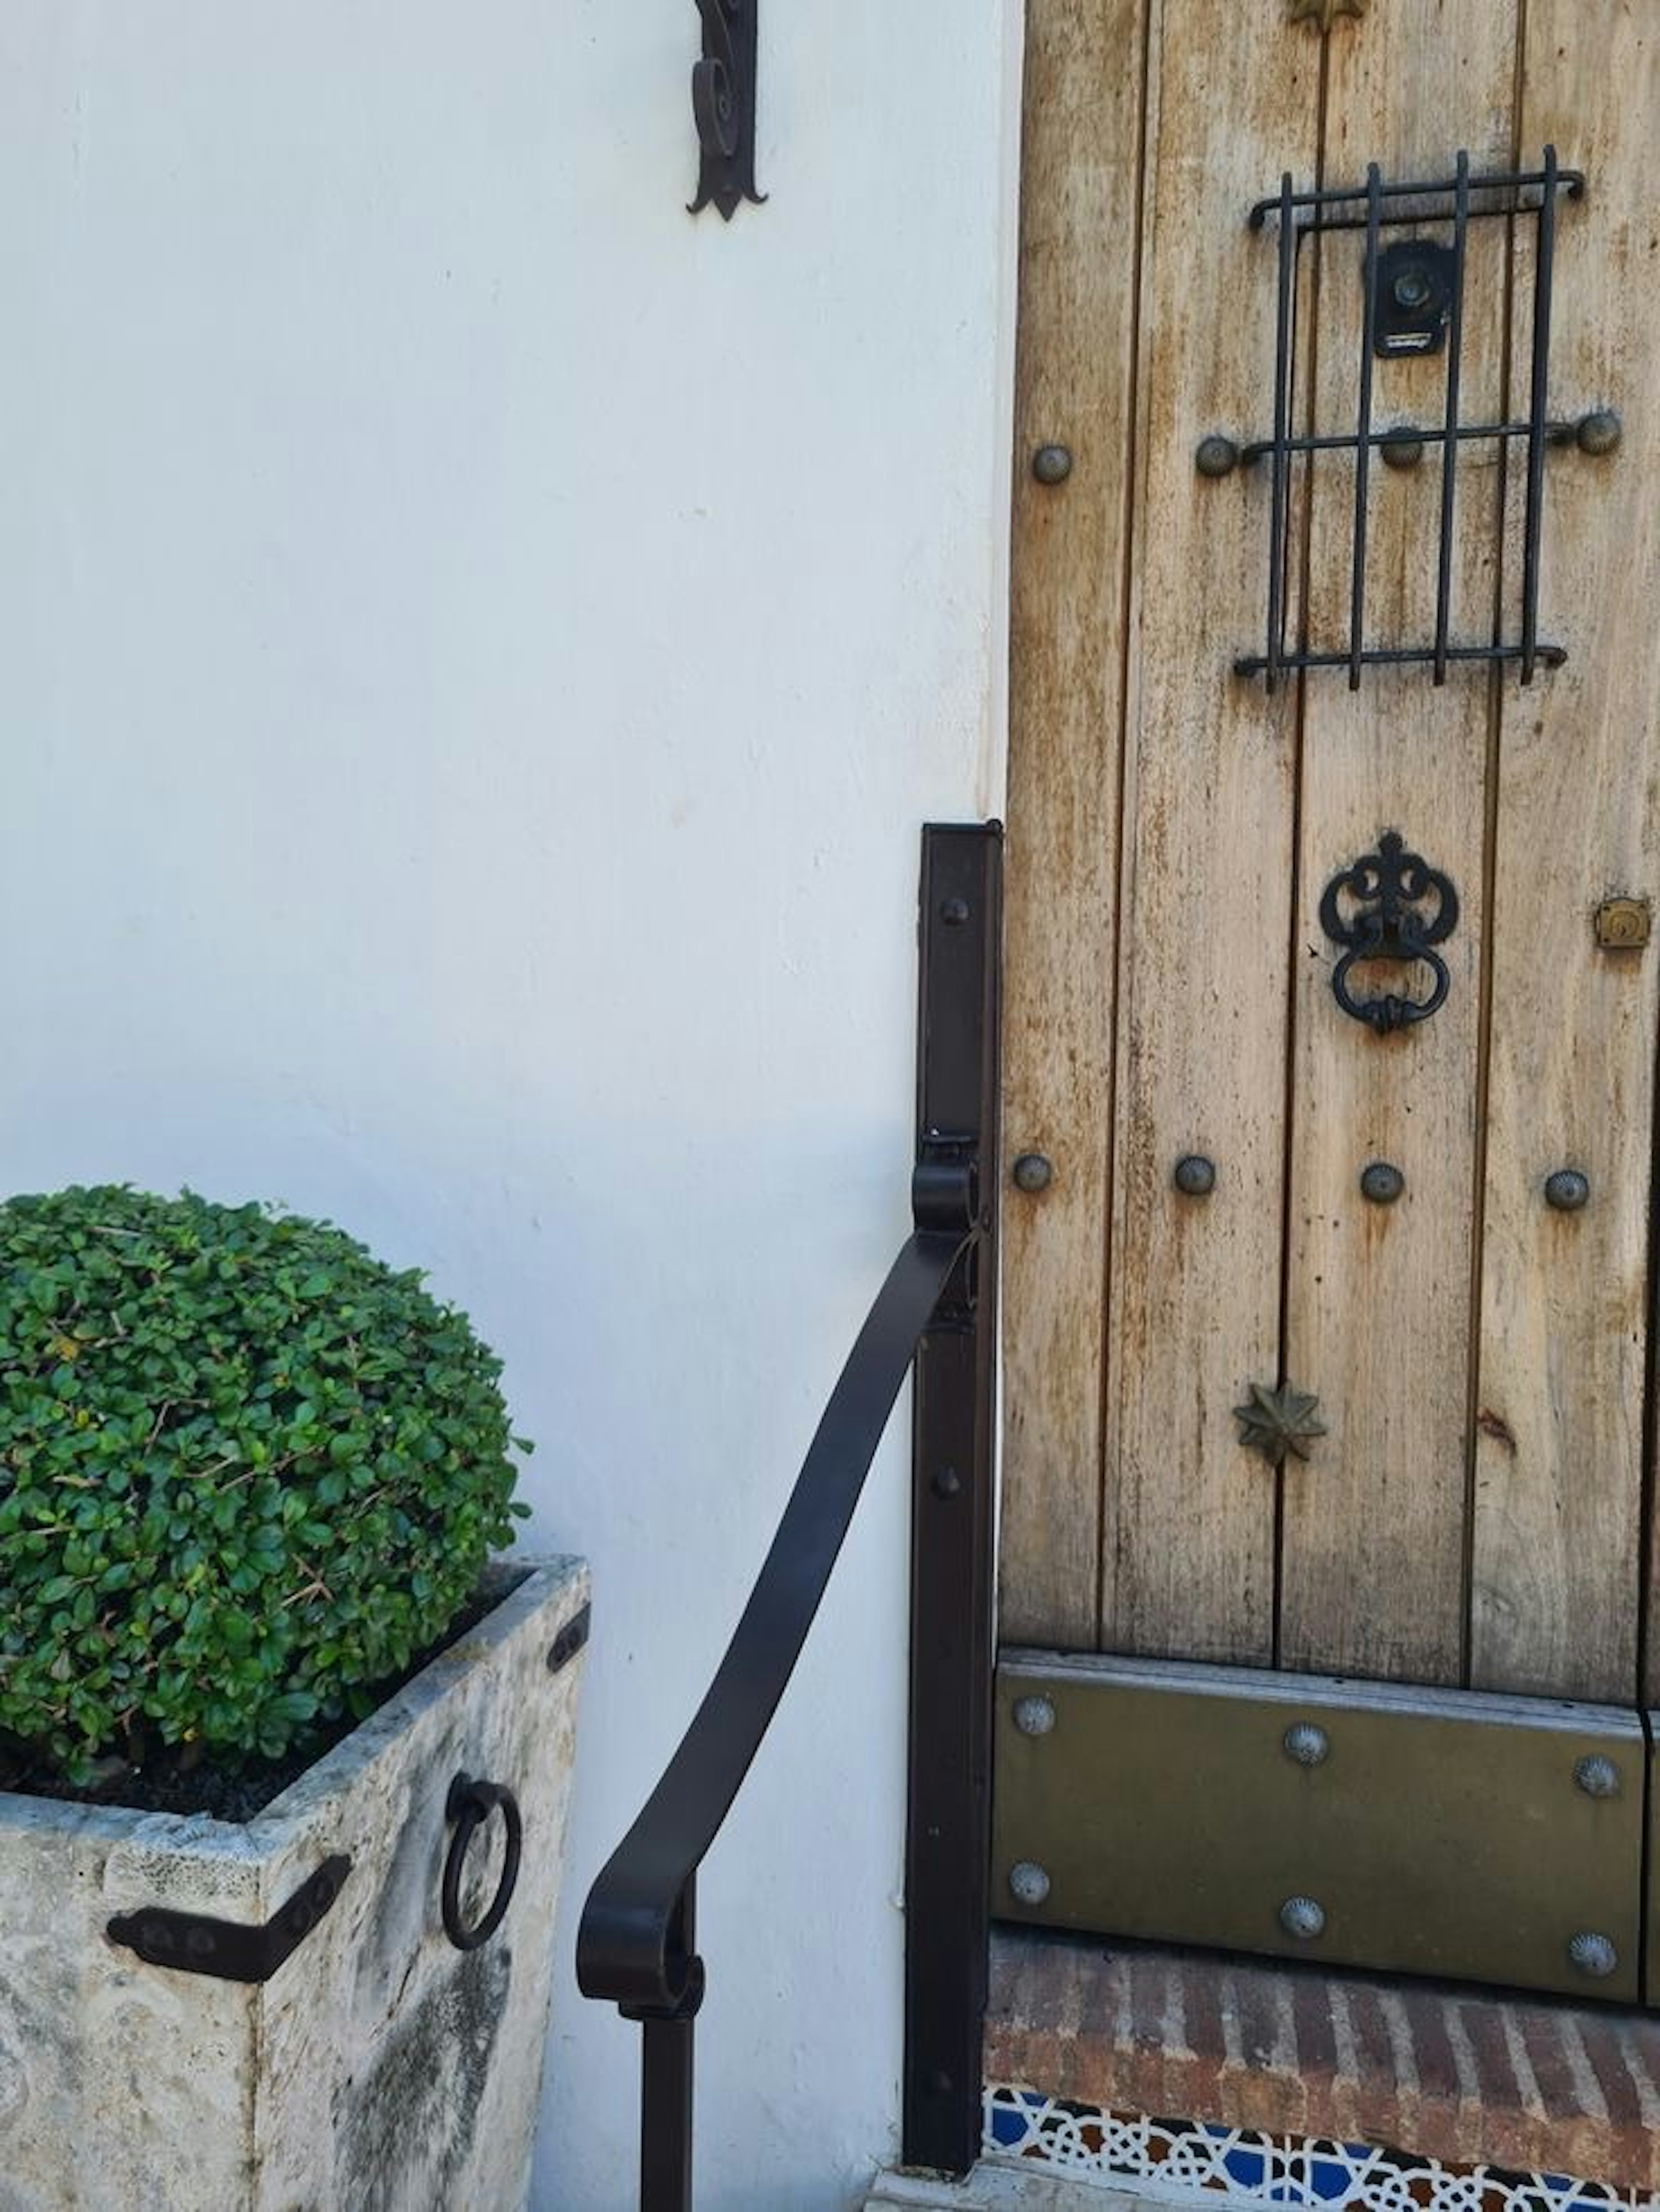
1471 2077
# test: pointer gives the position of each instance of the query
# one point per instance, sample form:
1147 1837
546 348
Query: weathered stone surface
998 2189
379 2070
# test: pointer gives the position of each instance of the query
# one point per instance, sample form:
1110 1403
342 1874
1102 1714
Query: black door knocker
1389 905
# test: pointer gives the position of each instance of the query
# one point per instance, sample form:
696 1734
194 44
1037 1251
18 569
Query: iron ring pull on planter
469 1805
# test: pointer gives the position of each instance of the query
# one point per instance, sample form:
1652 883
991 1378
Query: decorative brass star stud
1278 1423
1323 14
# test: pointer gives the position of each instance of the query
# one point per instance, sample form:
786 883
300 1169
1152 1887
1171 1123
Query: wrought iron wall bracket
723 106
231 1950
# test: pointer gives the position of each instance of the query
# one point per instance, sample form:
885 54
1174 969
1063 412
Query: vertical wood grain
1080 198
1194 1302
1556 1575
1378 1296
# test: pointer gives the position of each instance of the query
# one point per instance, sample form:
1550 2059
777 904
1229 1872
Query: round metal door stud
1052 465
1599 432
1216 456
1028 1883
1382 1183
1033 1172
1567 1190
1598 1776
1402 449
1303 1917
1034 1716
1308 1745
1195 1176
1593 1955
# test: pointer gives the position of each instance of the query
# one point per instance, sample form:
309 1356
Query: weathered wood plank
1378 1296
1558 1443
1193 1316
1080 189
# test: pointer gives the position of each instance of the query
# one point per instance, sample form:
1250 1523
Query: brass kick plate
1428 1832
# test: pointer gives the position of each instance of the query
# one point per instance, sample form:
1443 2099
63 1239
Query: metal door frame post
948 1829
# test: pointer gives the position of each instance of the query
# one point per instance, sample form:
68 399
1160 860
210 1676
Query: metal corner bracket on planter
723 106
231 1950
636 1947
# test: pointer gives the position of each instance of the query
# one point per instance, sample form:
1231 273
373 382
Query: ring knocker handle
469 1805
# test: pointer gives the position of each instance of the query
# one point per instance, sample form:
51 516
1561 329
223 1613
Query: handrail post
665 2093
948 1824
666 2076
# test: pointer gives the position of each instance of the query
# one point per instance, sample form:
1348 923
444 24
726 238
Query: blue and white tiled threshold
1044 2154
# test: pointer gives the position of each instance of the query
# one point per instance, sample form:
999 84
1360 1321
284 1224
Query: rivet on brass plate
1623 925
1308 1745
1593 1955
1034 1716
1303 1917
1279 1423
1323 14
1028 1883
1598 1777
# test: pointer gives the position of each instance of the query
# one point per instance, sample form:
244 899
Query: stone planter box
378 2066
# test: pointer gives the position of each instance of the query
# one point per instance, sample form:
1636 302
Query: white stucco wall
475 649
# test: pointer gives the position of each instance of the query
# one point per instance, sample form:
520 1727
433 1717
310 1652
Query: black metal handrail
636 1947
637 1944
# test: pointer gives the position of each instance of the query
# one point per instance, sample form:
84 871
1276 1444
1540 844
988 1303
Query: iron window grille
1420 310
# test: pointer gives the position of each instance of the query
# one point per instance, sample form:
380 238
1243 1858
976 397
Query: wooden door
1471 1509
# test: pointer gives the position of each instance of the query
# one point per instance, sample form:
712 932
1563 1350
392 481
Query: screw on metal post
1034 1716
1598 1775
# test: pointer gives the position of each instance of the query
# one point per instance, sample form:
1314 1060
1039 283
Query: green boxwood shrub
247 1472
